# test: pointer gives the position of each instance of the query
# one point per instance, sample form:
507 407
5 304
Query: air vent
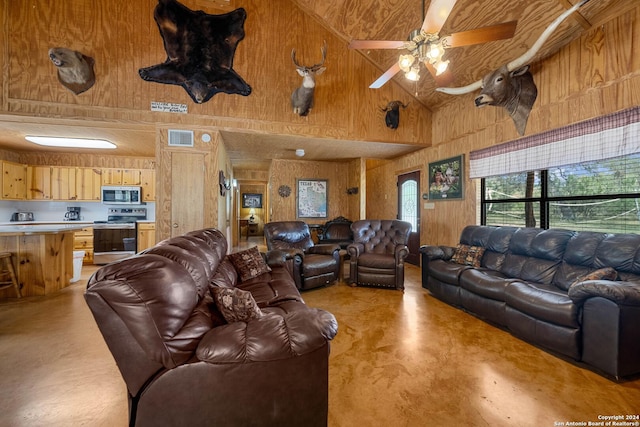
180 138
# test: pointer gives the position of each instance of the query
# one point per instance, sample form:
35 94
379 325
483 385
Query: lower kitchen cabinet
146 235
83 241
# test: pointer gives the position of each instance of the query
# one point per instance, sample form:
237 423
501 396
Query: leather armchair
378 252
310 265
338 231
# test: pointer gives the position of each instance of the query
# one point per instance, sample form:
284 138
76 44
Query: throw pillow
236 305
249 263
468 255
606 273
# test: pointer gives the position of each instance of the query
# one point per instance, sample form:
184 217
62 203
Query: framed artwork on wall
446 179
251 200
312 198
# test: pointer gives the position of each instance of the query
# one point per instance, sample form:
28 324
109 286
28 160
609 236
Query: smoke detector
300 152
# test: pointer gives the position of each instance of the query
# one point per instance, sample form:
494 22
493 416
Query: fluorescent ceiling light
70 142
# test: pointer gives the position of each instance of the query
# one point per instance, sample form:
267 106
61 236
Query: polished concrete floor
399 359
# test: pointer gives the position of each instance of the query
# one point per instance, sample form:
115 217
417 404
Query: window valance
603 137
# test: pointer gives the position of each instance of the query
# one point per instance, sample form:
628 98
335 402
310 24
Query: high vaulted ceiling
369 20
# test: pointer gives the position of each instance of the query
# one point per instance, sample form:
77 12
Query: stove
116 238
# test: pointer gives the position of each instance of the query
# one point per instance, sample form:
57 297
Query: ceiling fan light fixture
441 67
413 74
52 141
405 62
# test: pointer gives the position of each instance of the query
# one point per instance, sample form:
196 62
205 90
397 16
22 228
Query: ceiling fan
426 46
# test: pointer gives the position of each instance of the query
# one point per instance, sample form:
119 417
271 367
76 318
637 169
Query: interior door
408 210
187 192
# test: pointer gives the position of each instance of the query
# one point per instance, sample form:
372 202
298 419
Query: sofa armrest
401 252
627 293
355 249
323 249
433 252
270 337
279 257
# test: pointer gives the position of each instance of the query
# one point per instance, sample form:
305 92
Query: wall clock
284 190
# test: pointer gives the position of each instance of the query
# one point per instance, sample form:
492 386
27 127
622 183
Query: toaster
22 216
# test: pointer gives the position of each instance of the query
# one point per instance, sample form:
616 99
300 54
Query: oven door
112 242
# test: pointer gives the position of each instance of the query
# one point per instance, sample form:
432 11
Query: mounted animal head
302 97
511 86
75 70
392 116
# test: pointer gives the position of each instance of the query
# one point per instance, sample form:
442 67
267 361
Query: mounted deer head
392 116
302 97
512 86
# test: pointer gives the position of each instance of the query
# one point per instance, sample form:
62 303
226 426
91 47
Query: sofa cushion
249 263
235 304
468 255
445 271
488 283
543 302
382 261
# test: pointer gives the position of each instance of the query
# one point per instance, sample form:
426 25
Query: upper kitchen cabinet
145 178
14 181
73 183
148 183
39 182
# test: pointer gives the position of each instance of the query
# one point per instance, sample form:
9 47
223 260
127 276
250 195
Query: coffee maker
72 214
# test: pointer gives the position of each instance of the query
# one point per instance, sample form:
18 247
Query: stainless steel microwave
121 195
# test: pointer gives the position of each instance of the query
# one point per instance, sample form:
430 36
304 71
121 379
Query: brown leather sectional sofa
535 283
184 365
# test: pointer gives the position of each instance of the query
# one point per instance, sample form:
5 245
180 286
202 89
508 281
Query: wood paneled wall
122 37
594 75
286 172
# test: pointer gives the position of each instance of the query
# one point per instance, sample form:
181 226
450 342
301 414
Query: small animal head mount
302 97
225 184
392 116
75 70
511 86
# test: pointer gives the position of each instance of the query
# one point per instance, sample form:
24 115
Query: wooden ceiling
362 19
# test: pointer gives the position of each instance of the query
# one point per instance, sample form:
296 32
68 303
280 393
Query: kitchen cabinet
146 235
83 241
148 183
88 183
38 182
119 176
63 183
14 181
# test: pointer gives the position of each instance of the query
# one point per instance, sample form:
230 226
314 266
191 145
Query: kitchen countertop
24 229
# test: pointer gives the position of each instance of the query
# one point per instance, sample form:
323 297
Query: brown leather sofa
184 365
311 265
544 287
378 251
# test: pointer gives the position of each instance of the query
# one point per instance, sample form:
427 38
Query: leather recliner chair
378 252
310 265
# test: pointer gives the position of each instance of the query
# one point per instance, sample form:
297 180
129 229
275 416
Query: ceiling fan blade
444 79
376 44
388 75
436 15
482 35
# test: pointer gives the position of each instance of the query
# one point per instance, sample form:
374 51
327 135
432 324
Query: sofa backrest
495 240
381 236
152 308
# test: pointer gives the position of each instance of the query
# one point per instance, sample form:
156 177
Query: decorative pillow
236 305
606 273
249 263
468 255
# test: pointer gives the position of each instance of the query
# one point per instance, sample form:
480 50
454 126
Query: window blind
603 137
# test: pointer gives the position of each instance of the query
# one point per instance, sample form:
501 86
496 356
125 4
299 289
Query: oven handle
121 226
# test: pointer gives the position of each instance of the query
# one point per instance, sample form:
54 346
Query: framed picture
312 198
446 179
251 200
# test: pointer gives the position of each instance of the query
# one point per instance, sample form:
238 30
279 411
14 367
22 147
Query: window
601 195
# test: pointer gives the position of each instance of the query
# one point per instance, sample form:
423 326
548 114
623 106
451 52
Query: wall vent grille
180 138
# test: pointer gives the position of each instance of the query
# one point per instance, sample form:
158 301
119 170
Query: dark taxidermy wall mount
200 49
392 116
225 184
352 190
